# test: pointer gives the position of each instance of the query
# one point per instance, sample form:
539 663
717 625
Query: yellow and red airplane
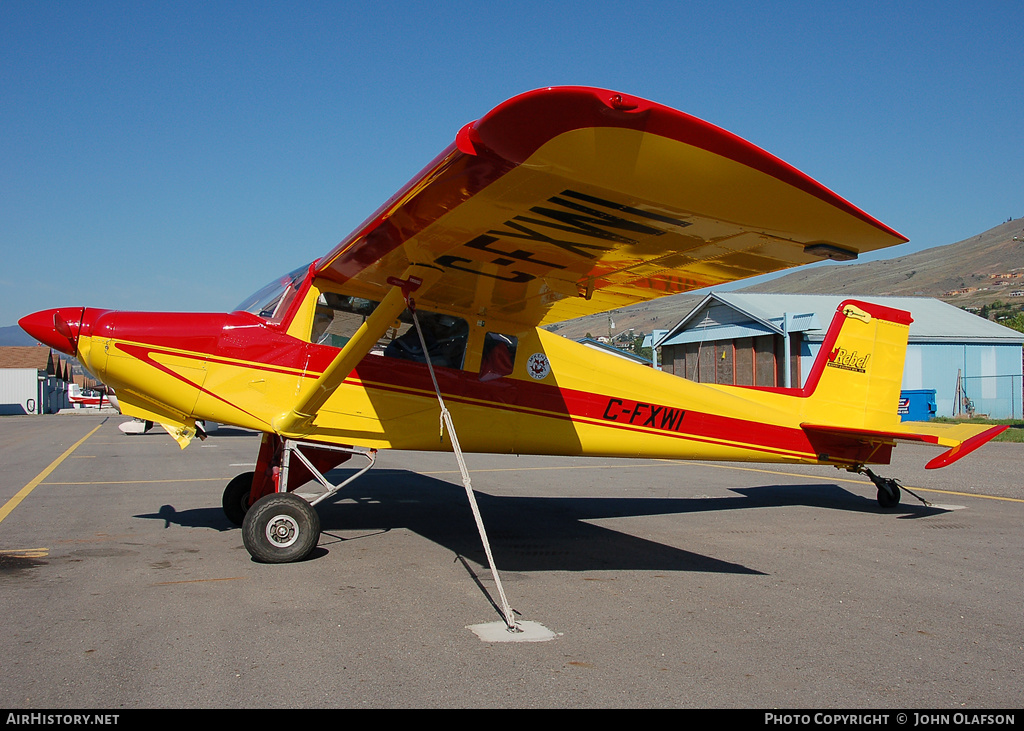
558 203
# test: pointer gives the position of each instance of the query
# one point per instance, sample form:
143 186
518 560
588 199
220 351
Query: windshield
271 301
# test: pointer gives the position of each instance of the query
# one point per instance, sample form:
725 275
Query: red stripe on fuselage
376 372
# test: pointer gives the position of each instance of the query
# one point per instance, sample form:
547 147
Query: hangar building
972 364
33 380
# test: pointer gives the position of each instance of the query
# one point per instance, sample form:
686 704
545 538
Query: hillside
659 314
964 274
935 272
14 335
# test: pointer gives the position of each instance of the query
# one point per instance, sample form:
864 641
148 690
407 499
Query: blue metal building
972 364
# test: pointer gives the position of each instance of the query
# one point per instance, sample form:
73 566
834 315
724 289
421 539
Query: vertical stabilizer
857 376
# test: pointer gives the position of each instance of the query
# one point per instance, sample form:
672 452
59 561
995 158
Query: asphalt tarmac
664 584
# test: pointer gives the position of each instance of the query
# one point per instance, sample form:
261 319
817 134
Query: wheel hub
282 531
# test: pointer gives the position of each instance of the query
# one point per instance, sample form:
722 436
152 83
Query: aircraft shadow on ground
530 533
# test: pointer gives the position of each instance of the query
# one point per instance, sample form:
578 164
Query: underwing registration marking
582 215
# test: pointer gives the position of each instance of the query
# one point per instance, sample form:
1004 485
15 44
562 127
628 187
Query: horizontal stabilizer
962 439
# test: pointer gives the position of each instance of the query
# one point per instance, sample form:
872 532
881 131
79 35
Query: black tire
280 528
887 499
236 497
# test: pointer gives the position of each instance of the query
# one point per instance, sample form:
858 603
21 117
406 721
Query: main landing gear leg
284 526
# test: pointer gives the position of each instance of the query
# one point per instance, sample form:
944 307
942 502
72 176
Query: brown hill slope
659 314
943 272
935 272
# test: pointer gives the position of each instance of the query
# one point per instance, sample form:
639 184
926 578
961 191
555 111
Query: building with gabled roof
973 365
30 356
33 380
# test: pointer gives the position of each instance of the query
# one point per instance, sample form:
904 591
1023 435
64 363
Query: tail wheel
888 493
280 528
236 497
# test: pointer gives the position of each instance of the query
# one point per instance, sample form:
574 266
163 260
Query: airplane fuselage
560 397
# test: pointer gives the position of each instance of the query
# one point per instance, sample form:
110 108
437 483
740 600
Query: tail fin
853 389
857 376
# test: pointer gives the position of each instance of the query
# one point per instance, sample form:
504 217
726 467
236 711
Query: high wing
567 201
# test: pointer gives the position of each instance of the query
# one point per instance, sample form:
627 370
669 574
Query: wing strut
299 420
446 422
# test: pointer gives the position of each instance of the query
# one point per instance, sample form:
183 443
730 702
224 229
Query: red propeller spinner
57 328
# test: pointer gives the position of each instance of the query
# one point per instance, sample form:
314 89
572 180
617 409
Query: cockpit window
499 356
337 318
271 302
444 335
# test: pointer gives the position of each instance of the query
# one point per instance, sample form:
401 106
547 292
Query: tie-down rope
446 421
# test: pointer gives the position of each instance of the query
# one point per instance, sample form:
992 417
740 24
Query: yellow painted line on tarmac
24 492
544 469
970 494
662 462
121 442
612 465
25 553
858 482
142 482
786 474
199 581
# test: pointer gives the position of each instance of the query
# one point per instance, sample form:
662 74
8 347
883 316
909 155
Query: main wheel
280 528
236 497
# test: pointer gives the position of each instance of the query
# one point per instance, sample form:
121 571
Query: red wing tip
466 140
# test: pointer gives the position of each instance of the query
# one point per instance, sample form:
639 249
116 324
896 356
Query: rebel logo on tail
848 360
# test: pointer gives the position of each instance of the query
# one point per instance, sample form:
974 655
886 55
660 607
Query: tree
639 349
1016 322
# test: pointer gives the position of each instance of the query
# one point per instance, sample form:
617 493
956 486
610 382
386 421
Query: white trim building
772 339
33 380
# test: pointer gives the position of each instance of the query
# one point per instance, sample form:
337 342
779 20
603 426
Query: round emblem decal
538 366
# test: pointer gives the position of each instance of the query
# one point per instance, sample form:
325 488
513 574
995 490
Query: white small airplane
88 398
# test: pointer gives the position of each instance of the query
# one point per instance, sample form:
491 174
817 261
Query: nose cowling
59 328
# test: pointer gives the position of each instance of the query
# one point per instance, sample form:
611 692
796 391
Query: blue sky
178 155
